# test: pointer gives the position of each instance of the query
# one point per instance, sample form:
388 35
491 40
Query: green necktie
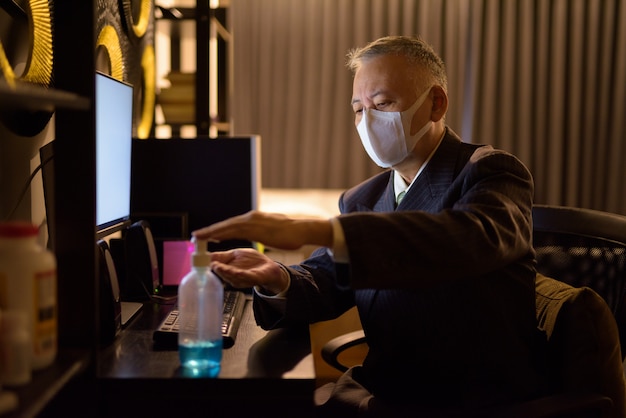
400 197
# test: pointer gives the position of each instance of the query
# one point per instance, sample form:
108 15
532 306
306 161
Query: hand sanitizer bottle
200 305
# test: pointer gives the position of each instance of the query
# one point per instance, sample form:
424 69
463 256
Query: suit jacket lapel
435 179
386 202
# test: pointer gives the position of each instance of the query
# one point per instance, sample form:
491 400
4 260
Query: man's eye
358 111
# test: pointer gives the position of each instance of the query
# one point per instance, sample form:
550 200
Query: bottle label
44 314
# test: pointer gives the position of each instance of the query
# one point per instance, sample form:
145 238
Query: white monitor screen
114 113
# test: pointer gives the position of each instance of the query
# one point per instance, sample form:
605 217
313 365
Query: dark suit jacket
444 284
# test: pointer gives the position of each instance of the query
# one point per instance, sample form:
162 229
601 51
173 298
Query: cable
27 186
165 300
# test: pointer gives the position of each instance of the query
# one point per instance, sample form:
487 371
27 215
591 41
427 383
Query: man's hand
245 267
271 229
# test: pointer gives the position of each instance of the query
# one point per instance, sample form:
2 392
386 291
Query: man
444 281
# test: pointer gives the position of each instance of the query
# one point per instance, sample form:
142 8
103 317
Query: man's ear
440 103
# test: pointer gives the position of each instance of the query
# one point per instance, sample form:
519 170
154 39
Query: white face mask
386 136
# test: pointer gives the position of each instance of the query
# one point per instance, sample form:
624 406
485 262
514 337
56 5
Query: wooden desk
264 373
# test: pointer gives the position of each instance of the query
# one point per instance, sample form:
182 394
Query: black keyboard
166 335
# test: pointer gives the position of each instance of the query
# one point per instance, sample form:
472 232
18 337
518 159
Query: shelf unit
71 100
213 79
72 361
71 383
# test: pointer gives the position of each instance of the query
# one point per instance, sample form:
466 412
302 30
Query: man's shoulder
452 148
452 141
366 192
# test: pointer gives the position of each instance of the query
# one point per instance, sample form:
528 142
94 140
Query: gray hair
416 51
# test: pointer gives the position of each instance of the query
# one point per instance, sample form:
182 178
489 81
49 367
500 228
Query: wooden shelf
46 384
36 98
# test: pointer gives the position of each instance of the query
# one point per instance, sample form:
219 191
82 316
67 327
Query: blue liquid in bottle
201 358
201 304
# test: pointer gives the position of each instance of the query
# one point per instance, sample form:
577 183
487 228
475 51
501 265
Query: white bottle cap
200 256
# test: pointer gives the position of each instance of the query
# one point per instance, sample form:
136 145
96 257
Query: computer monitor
114 112
114 118
201 180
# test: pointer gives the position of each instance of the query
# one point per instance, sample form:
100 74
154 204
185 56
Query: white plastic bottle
28 280
200 305
15 349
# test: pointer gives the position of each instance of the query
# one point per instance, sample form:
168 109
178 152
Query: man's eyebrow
373 96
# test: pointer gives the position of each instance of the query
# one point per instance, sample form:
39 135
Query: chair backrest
584 247
583 353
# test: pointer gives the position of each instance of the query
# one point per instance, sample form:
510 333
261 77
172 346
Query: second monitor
180 184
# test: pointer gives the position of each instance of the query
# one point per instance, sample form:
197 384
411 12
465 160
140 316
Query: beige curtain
545 80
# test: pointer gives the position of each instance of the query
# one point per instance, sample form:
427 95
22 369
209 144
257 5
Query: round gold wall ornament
139 26
5 67
149 92
35 56
39 68
108 39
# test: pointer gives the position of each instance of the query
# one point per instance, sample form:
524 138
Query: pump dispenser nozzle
200 256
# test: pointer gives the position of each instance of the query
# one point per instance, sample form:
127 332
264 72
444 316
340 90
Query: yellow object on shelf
178 100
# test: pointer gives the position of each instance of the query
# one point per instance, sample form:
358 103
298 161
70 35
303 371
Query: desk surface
270 370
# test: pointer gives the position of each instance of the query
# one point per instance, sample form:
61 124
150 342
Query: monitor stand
129 310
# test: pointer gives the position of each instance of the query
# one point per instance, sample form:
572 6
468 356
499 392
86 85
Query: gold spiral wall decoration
137 19
139 27
39 68
37 49
5 67
126 33
109 40
149 92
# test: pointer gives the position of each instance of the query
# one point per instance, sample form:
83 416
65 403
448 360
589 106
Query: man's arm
484 225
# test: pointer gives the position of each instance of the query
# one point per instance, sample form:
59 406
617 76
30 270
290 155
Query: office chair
584 247
580 291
